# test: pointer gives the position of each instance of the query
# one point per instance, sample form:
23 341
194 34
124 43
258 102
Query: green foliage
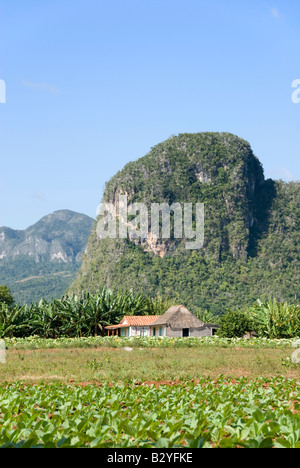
271 319
207 317
274 319
6 296
12 321
252 228
45 284
48 255
234 324
36 342
76 316
259 413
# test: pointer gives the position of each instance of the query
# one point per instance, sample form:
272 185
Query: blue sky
94 84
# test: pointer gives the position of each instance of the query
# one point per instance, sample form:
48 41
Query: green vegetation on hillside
42 260
252 228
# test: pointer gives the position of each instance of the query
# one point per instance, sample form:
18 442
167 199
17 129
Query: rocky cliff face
54 245
242 259
219 170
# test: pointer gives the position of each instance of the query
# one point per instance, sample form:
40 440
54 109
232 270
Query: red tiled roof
114 327
135 321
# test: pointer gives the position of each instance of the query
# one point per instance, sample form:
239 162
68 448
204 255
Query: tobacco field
263 412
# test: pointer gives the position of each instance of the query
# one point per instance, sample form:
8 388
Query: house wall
160 330
139 331
177 332
165 331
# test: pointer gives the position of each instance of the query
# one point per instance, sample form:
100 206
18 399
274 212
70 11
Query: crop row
35 342
220 413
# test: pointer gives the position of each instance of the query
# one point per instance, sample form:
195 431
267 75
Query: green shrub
6 296
234 324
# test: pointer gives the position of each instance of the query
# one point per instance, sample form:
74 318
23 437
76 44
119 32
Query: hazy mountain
41 261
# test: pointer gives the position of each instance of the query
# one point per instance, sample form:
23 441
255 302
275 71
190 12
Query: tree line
88 315
73 316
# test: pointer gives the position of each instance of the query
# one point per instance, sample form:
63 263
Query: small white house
177 321
135 325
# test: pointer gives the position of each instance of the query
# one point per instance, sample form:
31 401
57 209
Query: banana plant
44 319
12 320
274 319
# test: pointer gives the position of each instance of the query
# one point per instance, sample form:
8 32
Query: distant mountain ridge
41 261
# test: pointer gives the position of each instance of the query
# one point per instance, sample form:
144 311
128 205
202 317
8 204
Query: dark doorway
185 332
